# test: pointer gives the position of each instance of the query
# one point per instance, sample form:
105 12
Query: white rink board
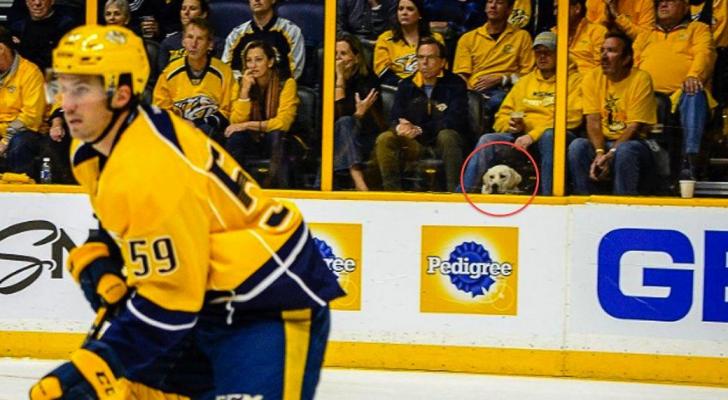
557 301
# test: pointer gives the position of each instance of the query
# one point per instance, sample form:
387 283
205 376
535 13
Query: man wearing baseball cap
526 116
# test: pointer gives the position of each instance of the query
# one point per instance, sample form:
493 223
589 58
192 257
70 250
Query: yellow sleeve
162 97
574 102
230 92
382 58
463 62
591 96
703 49
241 111
642 106
526 59
33 99
503 116
643 21
287 106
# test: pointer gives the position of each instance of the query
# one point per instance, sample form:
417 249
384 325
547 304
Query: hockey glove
93 373
98 273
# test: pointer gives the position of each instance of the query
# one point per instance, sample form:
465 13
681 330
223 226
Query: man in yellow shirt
619 105
629 16
533 98
679 55
22 104
715 14
491 57
585 37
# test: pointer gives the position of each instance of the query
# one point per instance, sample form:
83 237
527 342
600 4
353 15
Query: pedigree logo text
340 245
469 270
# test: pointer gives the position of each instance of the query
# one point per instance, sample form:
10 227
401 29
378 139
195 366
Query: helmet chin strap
116 113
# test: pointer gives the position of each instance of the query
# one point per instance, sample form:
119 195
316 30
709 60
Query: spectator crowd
419 85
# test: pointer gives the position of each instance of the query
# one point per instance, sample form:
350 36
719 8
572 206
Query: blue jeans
486 158
631 163
495 98
350 145
22 151
693 118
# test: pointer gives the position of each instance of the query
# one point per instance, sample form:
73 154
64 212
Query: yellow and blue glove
98 272
93 373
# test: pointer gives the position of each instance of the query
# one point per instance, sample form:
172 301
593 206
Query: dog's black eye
503 175
492 177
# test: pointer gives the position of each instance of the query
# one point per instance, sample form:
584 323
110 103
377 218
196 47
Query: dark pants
253 149
391 150
22 153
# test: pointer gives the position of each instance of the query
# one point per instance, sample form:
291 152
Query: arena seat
226 15
310 18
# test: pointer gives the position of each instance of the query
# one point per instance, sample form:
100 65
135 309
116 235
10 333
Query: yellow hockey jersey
179 91
189 220
397 56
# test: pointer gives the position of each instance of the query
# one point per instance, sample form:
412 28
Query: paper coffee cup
687 189
517 114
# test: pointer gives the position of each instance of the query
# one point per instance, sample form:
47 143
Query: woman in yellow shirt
263 113
394 51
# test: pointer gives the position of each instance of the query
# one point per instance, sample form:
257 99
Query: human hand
234 128
524 141
692 85
150 26
516 125
57 132
362 106
247 83
93 373
486 82
599 170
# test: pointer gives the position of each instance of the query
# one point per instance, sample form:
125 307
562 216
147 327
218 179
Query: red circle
519 148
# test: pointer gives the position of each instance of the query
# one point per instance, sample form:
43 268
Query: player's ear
122 96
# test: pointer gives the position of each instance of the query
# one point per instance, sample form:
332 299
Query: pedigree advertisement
340 245
469 270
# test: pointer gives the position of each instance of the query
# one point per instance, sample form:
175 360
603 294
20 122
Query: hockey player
208 257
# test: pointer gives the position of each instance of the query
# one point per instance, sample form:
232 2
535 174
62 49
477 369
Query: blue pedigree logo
337 265
470 268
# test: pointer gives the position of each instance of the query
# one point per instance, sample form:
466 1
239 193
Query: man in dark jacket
366 19
40 31
429 113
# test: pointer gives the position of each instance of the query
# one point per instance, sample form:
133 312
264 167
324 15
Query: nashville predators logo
615 119
508 49
518 18
406 64
116 37
193 108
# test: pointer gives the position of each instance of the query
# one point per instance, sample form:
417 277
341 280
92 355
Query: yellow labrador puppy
501 179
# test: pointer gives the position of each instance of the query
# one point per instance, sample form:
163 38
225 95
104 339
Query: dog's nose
494 188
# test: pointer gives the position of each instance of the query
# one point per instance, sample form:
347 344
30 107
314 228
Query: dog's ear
515 178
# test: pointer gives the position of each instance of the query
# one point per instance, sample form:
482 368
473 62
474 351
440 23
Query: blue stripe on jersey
163 124
302 281
84 153
142 331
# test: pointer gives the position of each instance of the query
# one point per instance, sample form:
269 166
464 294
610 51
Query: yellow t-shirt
479 54
718 24
536 98
22 96
635 16
177 91
670 57
619 103
285 115
585 47
398 56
